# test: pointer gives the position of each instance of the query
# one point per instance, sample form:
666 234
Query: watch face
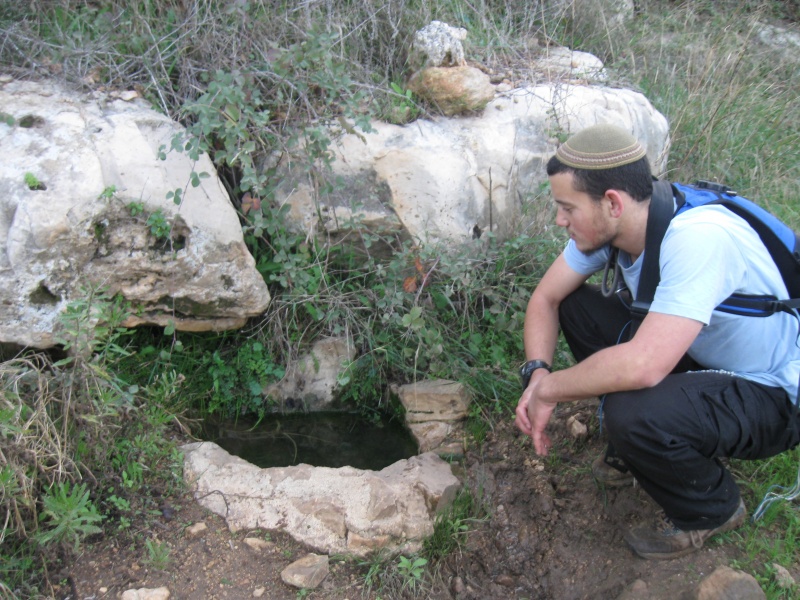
527 369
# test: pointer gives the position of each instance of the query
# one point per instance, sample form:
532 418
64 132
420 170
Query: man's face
585 220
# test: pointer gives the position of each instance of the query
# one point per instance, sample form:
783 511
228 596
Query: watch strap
529 367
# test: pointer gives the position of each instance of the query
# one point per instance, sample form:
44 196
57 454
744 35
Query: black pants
671 436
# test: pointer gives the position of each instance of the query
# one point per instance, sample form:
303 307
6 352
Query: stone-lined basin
344 510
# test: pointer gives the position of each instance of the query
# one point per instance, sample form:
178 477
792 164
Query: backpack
781 241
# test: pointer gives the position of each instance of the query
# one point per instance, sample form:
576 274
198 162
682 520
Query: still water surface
328 439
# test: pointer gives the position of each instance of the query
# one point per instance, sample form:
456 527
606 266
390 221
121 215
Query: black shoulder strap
660 214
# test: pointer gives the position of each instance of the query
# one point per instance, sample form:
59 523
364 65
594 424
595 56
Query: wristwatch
528 368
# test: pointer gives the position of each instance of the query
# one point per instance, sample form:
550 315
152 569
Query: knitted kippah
600 147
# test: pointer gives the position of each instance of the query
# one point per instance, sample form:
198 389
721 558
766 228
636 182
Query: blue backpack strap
757 306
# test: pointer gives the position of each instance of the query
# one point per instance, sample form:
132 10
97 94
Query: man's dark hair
634 178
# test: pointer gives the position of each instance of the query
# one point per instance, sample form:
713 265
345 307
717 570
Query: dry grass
34 447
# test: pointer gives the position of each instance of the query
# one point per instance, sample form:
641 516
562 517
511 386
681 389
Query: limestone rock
453 90
780 38
434 400
433 411
312 380
783 578
306 573
342 510
558 63
591 15
637 590
439 44
430 434
258 544
196 529
577 429
93 158
161 593
436 180
729 584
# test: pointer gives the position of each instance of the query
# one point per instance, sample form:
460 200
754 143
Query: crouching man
693 384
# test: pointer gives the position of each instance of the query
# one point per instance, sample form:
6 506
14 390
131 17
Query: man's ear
615 203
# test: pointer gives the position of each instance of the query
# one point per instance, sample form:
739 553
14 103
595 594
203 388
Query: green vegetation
159 226
33 182
108 193
70 514
81 448
157 554
86 438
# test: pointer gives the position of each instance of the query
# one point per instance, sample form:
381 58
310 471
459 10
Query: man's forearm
540 333
599 374
640 363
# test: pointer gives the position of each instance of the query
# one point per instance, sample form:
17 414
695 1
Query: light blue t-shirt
708 253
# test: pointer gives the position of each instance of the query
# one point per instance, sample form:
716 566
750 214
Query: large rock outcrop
446 180
72 168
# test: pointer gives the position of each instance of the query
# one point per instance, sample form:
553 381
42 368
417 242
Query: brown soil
550 533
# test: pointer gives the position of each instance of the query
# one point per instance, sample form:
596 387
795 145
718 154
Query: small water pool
325 439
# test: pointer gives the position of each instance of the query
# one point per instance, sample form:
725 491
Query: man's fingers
522 422
541 442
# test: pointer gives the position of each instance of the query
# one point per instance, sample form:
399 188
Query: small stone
196 529
6 78
167 512
129 95
102 590
258 592
783 578
577 429
306 573
258 543
457 585
729 584
635 591
505 580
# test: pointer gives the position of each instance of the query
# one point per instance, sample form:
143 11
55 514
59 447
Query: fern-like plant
70 516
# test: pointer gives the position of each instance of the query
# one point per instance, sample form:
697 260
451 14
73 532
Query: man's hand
522 421
539 413
533 414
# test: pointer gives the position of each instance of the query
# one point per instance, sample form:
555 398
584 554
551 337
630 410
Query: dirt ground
550 533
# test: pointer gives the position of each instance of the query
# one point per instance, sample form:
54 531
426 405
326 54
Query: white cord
771 496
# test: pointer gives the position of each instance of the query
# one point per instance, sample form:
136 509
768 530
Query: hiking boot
608 475
667 541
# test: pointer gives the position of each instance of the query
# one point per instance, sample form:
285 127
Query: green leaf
315 313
